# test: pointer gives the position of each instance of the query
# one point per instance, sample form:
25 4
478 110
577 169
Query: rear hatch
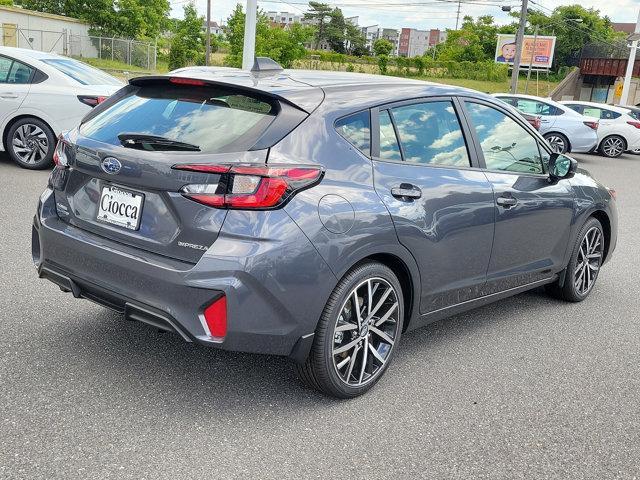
119 182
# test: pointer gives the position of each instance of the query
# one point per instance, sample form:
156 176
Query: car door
440 202
15 81
533 214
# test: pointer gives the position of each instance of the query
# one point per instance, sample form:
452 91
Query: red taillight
593 125
215 317
59 154
635 124
187 81
91 100
257 187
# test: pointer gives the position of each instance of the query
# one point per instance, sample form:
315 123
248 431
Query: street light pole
208 49
531 59
624 98
249 48
519 45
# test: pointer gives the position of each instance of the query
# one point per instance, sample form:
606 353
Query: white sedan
619 129
42 95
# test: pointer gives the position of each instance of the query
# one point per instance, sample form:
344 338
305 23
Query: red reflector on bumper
215 315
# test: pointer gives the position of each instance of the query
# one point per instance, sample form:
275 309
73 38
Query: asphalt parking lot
525 388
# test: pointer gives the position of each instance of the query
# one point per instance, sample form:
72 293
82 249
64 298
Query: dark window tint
12 71
5 67
356 129
214 119
505 144
389 149
535 107
576 108
509 100
430 133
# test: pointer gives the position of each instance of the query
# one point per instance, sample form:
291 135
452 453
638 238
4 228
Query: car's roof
308 88
27 53
613 108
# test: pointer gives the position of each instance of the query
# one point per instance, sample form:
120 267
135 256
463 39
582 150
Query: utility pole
208 50
624 99
519 45
458 15
249 48
533 54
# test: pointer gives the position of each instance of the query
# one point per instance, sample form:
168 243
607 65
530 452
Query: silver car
564 129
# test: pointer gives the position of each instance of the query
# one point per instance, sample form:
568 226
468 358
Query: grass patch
543 89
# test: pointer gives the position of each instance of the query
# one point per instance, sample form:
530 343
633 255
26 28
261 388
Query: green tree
126 18
382 46
284 45
475 41
574 26
187 44
355 41
320 14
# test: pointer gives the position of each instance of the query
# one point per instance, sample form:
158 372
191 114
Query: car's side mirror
561 166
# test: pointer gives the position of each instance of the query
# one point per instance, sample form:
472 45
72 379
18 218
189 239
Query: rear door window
81 72
14 72
389 147
356 129
430 133
213 119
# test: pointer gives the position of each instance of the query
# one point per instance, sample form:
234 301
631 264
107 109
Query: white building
216 28
40 31
283 18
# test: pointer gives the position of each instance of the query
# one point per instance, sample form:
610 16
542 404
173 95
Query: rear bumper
262 316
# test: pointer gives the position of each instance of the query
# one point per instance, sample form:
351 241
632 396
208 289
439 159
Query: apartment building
413 42
283 19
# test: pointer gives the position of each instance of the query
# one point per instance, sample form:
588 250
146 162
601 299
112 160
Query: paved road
527 388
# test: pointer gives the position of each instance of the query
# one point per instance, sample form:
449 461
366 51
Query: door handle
506 202
406 191
8 95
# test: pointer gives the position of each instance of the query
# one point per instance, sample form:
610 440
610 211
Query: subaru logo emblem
111 165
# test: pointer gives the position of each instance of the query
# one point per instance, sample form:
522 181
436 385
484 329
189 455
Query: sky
420 14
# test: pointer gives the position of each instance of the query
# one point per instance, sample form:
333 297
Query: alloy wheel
613 146
557 143
30 144
588 261
365 332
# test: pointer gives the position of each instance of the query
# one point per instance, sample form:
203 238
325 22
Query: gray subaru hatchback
315 215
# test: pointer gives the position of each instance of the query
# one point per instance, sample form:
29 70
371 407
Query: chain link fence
131 52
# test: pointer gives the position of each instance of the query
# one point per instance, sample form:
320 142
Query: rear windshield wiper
143 141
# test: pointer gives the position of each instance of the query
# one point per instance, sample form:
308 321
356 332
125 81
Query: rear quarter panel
343 216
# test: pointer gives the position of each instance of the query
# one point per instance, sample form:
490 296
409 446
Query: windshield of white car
81 72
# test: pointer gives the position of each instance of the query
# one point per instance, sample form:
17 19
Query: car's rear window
215 119
81 72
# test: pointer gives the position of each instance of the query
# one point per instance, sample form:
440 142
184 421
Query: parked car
316 215
635 113
41 95
618 130
564 129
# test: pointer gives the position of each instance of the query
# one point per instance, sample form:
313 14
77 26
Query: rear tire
351 350
31 143
558 142
613 146
584 265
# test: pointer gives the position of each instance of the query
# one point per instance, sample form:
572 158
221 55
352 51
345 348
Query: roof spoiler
266 64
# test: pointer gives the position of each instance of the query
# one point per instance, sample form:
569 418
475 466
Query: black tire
612 146
40 142
569 291
320 370
556 140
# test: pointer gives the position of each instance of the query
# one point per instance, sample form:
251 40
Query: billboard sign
540 57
